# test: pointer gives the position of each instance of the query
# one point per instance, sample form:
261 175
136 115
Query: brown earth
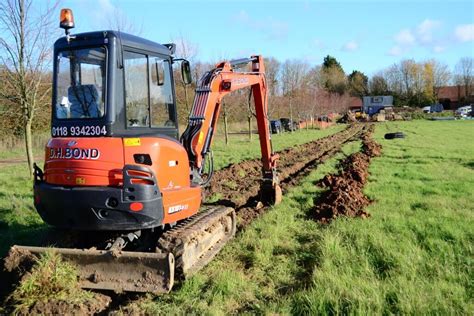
60 307
345 196
238 185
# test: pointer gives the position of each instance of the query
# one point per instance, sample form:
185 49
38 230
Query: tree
272 74
187 50
119 21
441 75
293 72
465 74
358 84
334 77
25 43
378 85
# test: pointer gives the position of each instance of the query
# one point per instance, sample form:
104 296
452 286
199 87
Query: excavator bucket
109 270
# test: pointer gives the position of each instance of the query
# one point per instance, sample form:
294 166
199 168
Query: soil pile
238 185
345 196
60 307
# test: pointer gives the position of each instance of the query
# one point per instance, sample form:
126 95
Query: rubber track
174 239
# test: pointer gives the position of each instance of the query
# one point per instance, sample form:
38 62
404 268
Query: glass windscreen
149 91
80 83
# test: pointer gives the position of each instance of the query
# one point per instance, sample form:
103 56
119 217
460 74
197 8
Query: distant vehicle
373 104
288 124
464 110
434 108
275 127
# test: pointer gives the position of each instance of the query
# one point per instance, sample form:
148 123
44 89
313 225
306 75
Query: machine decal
131 142
240 81
177 208
74 153
64 131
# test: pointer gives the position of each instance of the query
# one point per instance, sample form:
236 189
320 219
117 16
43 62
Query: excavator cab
113 84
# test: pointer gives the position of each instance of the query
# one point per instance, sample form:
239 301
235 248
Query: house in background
452 97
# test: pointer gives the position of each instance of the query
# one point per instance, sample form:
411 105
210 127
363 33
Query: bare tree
187 50
25 48
293 72
440 75
465 74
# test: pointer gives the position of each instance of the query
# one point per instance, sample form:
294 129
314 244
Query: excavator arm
198 136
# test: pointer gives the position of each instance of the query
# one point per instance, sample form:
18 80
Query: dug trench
238 186
344 195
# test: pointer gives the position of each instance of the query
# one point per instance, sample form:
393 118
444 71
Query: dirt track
238 185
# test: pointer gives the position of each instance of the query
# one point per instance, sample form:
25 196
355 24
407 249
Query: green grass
19 221
20 224
239 147
50 279
414 255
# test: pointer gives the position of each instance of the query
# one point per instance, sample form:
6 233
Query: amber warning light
66 20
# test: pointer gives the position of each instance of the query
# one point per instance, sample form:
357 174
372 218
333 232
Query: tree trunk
226 132
186 97
291 116
250 127
29 147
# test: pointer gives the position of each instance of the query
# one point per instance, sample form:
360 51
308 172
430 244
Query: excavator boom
214 85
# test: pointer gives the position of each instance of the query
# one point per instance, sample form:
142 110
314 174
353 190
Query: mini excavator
116 166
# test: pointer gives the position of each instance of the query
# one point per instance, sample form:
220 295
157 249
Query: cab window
80 83
148 91
161 94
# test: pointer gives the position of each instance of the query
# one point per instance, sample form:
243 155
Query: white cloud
405 37
318 44
425 34
350 46
395 51
424 30
271 29
464 33
439 49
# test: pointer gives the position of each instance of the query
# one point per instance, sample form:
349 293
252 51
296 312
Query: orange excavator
116 171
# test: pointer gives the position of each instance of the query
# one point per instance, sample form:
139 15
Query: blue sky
363 35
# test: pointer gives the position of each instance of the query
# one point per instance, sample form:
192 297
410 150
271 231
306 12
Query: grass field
20 224
414 255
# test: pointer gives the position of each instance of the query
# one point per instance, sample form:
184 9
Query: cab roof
125 38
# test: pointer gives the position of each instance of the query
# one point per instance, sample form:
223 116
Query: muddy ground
238 186
344 195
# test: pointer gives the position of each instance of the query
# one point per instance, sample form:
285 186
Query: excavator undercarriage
175 254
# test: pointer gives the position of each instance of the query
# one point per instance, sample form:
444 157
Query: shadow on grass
469 165
14 234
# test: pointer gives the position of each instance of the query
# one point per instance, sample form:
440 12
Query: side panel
169 162
84 161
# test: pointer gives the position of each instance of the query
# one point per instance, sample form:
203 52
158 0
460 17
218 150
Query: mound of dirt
345 196
238 185
61 307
